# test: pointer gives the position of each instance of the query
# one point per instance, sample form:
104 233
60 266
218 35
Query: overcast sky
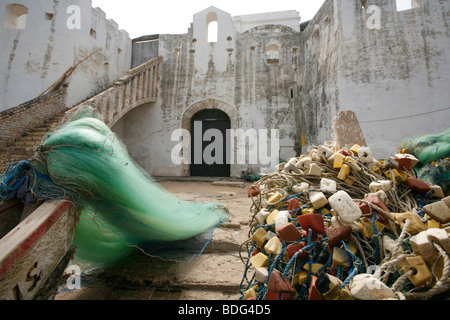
143 17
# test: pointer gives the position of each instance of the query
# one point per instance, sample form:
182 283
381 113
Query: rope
370 250
443 285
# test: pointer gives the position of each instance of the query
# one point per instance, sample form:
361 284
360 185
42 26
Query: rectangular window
403 5
272 54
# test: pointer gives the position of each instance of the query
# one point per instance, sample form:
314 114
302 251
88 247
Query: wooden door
209 119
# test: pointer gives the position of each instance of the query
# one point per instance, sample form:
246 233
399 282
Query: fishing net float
123 207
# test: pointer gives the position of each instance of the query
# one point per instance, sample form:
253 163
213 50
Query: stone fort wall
42 39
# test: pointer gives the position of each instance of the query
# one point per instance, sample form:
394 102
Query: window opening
273 54
15 16
316 39
403 5
49 16
212 27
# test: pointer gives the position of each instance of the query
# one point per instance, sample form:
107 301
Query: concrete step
236 184
39 132
25 146
211 275
30 140
102 293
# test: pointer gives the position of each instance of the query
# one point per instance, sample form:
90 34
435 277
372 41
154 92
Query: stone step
23 150
113 293
39 132
27 140
237 184
36 134
226 239
211 275
27 143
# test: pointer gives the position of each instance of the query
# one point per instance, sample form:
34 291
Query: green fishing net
433 152
123 207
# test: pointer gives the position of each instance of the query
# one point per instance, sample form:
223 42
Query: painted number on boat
32 278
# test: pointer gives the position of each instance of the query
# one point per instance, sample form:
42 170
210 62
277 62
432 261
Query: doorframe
210 103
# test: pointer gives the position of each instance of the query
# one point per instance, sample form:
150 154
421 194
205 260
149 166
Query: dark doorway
209 119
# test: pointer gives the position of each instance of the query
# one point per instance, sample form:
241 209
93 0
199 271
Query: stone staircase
25 146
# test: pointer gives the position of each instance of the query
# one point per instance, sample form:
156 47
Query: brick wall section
19 120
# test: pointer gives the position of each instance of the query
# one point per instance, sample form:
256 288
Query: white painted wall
396 78
206 51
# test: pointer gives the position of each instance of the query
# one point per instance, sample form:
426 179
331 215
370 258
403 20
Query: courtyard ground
214 275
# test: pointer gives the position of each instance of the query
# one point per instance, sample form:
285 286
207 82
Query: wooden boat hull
32 250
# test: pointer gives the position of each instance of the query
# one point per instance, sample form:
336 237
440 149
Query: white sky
143 17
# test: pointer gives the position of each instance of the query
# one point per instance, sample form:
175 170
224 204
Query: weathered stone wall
395 78
318 71
144 48
266 93
237 74
56 36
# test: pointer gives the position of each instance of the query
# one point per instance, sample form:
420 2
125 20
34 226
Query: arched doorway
209 143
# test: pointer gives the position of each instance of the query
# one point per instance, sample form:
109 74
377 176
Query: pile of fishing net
433 152
123 208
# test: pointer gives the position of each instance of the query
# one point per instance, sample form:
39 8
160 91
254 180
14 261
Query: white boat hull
31 251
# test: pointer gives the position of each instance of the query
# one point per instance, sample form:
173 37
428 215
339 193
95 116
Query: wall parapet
138 87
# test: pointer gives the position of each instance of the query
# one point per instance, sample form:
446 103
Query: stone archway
205 105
